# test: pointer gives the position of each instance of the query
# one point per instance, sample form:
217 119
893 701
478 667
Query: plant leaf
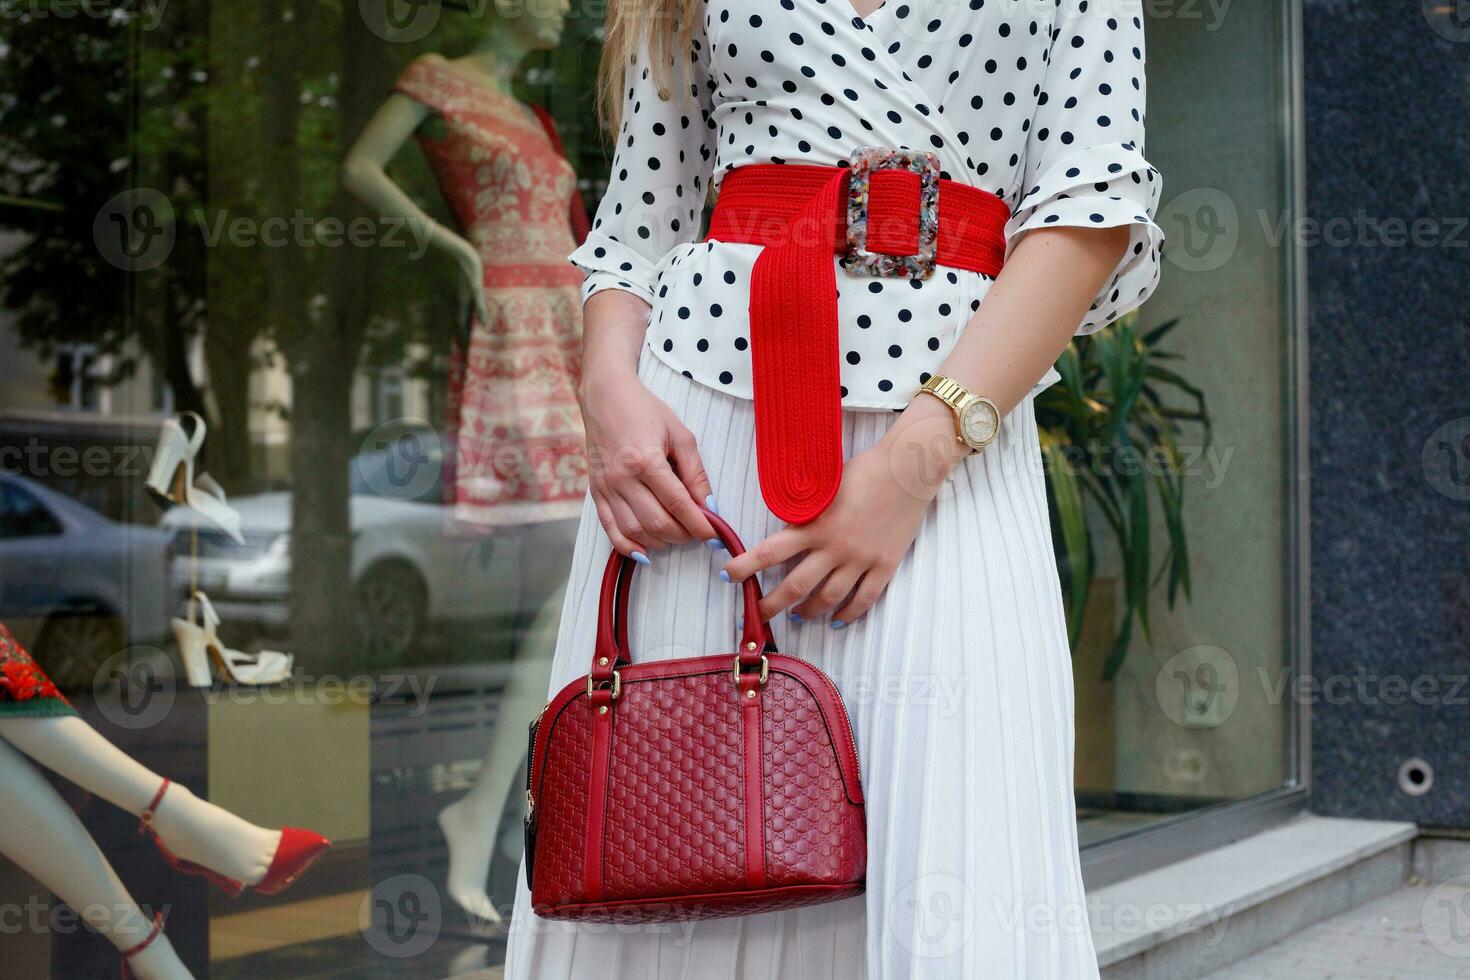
1159 333
1136 555
1071 526
1171 501
1120 646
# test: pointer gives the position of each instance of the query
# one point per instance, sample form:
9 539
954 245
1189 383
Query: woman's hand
854 546
644 465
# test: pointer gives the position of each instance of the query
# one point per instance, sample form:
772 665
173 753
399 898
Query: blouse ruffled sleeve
660 172
1084 163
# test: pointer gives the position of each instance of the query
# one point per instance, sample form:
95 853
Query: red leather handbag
692 788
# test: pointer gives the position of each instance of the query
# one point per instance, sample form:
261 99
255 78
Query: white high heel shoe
198 645
172 478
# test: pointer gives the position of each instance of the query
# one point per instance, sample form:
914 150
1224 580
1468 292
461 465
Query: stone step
1197 916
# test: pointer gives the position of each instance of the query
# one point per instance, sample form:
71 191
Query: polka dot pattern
1040 103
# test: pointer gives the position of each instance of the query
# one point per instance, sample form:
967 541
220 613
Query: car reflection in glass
410 578
76 587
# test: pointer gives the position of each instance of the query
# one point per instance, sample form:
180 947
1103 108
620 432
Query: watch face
979 423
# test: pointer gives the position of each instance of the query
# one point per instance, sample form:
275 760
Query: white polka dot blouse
1038 101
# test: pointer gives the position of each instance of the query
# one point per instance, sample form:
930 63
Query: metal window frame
1172 839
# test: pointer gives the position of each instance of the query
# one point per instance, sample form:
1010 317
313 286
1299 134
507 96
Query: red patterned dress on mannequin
516 430
25 690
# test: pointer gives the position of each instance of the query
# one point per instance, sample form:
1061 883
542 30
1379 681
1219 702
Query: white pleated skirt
959 686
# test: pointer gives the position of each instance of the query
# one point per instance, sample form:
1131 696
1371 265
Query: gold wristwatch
976 419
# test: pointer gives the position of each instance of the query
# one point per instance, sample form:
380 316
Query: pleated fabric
958 683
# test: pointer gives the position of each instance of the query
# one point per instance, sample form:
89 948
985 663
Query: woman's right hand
645 470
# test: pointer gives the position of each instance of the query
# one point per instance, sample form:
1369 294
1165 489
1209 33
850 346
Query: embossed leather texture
692 788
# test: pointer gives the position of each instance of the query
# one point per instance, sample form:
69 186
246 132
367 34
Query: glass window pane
1192 709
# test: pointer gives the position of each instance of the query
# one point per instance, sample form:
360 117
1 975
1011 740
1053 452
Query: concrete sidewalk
1420 932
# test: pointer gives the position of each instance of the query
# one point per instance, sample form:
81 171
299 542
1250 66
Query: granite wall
1388 150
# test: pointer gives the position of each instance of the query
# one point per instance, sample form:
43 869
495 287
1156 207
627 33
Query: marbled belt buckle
865 161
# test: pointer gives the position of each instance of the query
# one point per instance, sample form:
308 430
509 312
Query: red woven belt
889 214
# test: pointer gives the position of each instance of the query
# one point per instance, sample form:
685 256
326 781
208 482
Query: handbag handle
612 650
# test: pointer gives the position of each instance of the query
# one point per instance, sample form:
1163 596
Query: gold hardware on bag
615 685
765 668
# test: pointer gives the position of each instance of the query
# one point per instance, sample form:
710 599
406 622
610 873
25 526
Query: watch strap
947 390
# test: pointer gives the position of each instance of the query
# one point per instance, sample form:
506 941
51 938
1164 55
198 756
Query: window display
515 464
40 833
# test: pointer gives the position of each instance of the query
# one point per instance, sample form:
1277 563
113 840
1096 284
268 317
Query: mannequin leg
41 834
472 824
194 829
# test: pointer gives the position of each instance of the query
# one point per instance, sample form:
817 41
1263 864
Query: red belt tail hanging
794 362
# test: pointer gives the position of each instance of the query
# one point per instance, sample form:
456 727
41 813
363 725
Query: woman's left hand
855 545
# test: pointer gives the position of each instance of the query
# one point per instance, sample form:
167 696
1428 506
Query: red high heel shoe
127 971
296 852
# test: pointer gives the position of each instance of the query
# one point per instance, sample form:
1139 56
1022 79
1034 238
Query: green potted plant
1110 433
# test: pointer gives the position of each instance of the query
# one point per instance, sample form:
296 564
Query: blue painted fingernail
794 617
640 558
715 544
838 624
724 575
710 503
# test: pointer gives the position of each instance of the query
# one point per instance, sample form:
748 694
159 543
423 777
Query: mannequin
518 469
42 834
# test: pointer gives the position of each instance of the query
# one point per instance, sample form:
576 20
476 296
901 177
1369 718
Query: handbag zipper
846 722
531 763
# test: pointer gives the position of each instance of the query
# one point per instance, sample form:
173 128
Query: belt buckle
864 162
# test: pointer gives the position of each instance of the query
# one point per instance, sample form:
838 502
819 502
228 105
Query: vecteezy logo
401 916
135 230
933 916
1203 226
400 21
135 688
1446 917
1198 687
1445 459
1450 19
401 459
